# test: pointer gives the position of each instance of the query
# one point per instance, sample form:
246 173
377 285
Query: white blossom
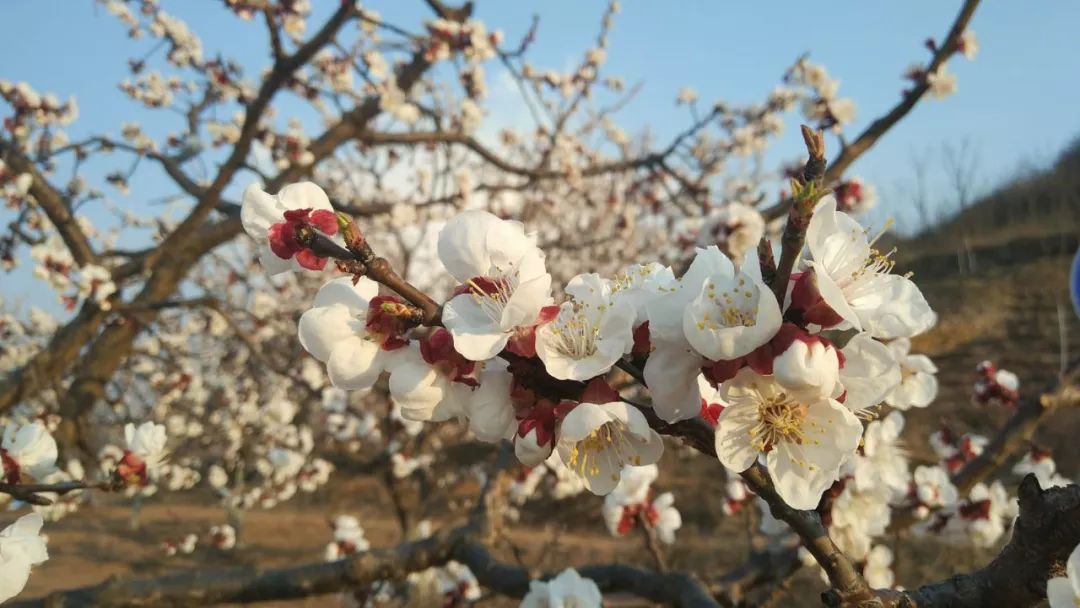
505 279
855 280
804 443
568 590
590 332
596 440
21 547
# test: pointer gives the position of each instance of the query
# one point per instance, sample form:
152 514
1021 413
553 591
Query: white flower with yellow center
804 442
674 365
504 278
596 440
855 279
732 313
590 333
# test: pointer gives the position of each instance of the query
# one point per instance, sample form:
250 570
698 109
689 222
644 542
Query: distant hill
1030 216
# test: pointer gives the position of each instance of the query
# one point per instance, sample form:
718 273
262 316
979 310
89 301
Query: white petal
870 372
491 415
354 364
525 303
304 195
834 296
258 211
477 243
272 264
583 420
342 291
476 336
1060 593
322 328
1072 569
733 438
900 310
671 373
917 390
15 574
528 452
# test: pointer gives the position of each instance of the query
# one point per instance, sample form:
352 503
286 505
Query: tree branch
53 203
1019 429
1044 535
850 153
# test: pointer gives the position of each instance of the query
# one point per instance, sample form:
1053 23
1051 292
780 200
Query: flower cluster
516 366
993 386
632 504
28 455
348 539
823 107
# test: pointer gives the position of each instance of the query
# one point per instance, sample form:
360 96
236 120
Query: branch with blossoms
933 79
747 358
572 346
299 154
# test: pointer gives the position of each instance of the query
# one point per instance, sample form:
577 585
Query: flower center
585 455
736 307
576 332
492 293
859 274
779 420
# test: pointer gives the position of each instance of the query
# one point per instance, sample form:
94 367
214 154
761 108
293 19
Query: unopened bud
354 239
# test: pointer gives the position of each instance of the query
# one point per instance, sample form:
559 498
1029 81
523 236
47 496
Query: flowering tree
576 296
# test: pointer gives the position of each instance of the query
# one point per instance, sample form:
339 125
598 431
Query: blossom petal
1059 592
870 372
1072 570
834 296
671 373
526 301
733 433
583 420
16 573
898 309
273 265
323 327
258 212
342 291
304 195
354 364
475 335
491 415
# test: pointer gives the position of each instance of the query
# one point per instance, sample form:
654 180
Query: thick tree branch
1044 535
53 203
251 584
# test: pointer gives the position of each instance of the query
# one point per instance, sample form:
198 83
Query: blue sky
1017 103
